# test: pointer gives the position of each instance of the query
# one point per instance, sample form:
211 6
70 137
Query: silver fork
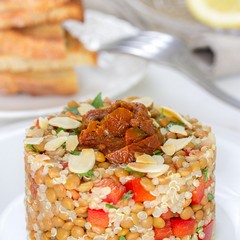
169 50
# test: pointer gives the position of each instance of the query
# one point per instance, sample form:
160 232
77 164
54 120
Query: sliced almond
63 134
82 163
43 123
172 113
64 122
154 175
155 123
84 108
72 142
145 158
178 144
148 168
178 129
42 157
146 101
169 149
55 143
158 158
33 141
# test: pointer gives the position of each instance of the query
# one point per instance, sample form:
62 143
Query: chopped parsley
30 146
110 206
72 110
199 229
75 152
161 114
210 197
97 101
64 144
87 174
122 238
60 129
128 195
158 152
205 174
133 171
174 123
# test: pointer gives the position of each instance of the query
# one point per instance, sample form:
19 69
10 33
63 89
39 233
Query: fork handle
190 69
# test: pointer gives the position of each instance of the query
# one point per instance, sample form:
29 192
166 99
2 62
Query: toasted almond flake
43 123
72 142
146 101
154 175
169 149
63 134
177 143
36 133
148 168
145 158
178 129
64 122
55 143
42 157
172 113
155 123
84 108
82 163
33 141
158 158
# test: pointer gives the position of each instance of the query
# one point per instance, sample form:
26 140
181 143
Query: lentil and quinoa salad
119 170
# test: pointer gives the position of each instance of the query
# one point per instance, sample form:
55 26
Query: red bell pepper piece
198 192
117 189
140 194
165 232
98 217
208 183
182 227
208 230
169 214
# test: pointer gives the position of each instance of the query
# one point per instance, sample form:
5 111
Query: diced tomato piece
165 232
208 230
182 227
117 189
140 194
187 152
198 192
208 183
98 217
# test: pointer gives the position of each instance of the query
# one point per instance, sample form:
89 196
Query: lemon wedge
216 13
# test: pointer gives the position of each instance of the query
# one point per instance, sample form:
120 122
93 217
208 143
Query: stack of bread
37 55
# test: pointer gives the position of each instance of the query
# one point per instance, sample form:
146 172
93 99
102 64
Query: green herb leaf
210 197
88 174
158 152
133 171
97 101
73 110
174 123
205 174
128 195
60 129
110 206
192 236
161 114
199 229
64 144
122 238
75 152
30 146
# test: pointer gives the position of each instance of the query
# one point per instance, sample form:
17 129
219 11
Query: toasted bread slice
42 48
38 12
42 83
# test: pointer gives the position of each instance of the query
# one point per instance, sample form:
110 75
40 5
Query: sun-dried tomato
120 130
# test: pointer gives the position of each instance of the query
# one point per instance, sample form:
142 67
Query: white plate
12 219
114 75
